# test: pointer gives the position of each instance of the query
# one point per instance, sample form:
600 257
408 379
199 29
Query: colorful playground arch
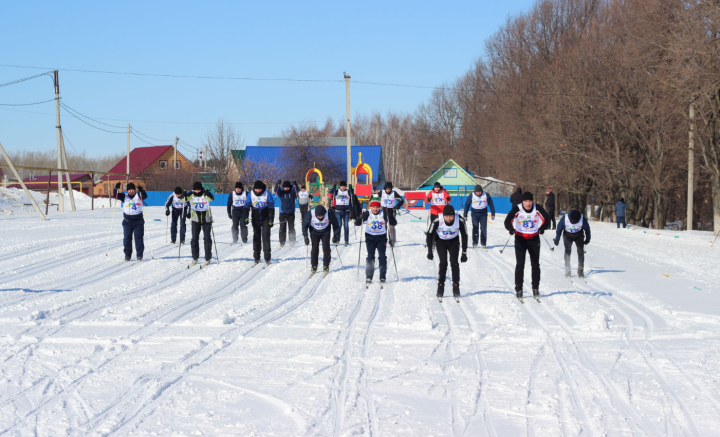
362 178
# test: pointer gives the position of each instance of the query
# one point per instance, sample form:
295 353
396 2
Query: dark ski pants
621 219
133 228
303 210
315 251
261 238
451 247
207 240
177 214
531 246
551 213
579 239
287 228
238 222
479 218
373 243
343 218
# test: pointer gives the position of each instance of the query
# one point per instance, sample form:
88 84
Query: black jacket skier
376 237
574 228
180 211
446 232
319 229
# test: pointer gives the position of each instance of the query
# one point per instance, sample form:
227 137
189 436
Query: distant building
327 141
80 182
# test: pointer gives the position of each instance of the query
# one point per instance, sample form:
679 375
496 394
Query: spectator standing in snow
550 206
620 210
516 197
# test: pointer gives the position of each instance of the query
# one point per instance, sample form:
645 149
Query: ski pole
307 254
217 254
548 243
394 262
152 254
113 221
182 216
716 238
166 227
338 253
359 249
506 243
412 215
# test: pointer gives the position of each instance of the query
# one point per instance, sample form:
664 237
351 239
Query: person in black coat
448 233
550 206
235 205
574 229
318 222
180 211
516 197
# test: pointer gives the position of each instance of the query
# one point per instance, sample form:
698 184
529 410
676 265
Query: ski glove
541 231
167 212
430 256
556 241
463 258
336 239
230 216
512 231
492 217
270 223
117 186
587 242
307 241
247 221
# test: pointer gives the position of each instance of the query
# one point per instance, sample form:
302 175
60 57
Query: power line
144 141
26 104
13 82
98 128
73 147
148 136
89 118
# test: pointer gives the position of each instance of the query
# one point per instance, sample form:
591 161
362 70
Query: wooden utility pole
22 184
127 159
205 159
61 200
691 167
67 174
347 126
175 158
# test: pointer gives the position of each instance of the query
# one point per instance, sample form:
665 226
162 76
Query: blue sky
404 42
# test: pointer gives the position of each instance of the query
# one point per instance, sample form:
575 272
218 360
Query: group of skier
446 232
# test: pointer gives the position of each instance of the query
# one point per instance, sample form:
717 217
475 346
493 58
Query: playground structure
362 180
316 187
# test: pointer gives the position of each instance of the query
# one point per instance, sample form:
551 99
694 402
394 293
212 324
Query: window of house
450 172
177 165
163 165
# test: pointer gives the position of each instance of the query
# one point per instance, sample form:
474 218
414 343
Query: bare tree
220 141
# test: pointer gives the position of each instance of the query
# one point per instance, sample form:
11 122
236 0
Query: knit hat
448 210
437 185
287 184
574 216
197 186
343 183
375 202
527 196
259 185
320 211
238 184
388 185
130 186
178 190
478 187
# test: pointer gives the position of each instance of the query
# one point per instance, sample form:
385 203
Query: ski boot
257 261
519 293
326 269
484 247
172 242
581 273
127 258
536 293
368 280
456 291
139 258
282 245
313 270
382 280
440 291
234 242
474 245
182 242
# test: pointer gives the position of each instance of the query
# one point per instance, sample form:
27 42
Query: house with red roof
144 161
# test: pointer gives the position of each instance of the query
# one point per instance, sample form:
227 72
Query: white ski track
91 345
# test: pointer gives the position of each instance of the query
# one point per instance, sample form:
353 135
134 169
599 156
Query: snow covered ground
92 346
14 202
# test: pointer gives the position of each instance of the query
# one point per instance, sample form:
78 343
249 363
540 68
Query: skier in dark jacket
446 232
478 203
201 220
288 194
516 197
319 222
235 205
180 210
133 218
550 206
342 204
377 224
527 221
391 202
620 210
574 229
261 208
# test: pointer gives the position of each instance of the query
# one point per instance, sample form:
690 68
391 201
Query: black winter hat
437 185
574 216
527 196
178 190
388 185
197 186
259 185
238 184
478 187
287 184
320 211
130 186
448 210
343 183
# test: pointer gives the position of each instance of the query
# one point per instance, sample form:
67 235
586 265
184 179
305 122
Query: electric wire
148 136
73 147
64 105
98 128
26 104
16 81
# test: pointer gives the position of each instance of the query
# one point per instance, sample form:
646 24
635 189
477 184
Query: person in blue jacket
261 208
319 222
478 202
235 203
180 210
574 229
133 219
620 210
287 193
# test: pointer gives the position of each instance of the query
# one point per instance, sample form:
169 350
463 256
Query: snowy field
93 346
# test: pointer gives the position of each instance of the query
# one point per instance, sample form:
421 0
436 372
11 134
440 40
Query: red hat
375 202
